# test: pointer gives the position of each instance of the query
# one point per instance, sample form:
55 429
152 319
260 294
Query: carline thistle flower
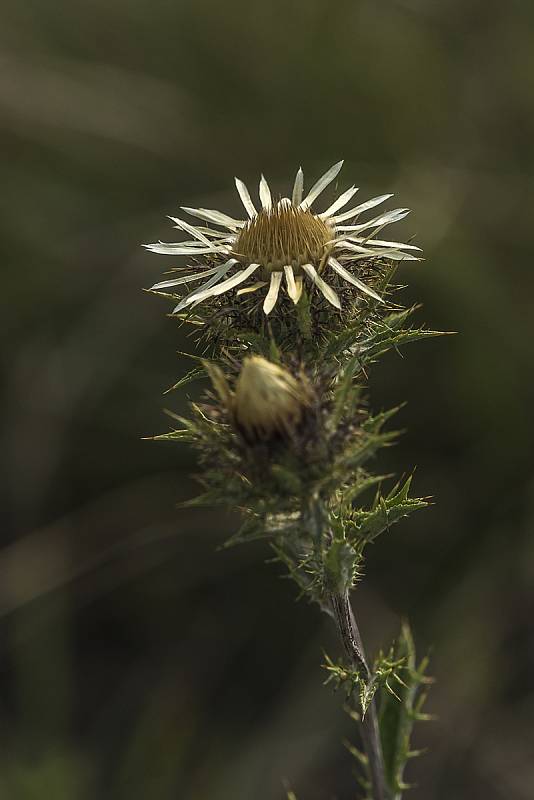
268 400
282 242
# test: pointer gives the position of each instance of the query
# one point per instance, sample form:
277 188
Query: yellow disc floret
283 235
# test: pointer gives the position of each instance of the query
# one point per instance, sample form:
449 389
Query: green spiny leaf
341 562
360 451
397 715
365 526
360 484
384 339
346 393
193 375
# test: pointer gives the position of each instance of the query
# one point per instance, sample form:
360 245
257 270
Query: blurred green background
137 661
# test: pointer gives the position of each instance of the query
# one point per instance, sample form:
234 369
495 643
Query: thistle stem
314 518
352 644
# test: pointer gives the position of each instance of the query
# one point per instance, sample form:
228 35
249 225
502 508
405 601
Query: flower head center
283 235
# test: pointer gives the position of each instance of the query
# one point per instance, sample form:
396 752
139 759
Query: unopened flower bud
268 400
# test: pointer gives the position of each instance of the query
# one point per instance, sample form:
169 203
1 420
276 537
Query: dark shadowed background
137 661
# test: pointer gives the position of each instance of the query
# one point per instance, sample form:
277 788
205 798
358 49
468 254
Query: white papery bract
283 243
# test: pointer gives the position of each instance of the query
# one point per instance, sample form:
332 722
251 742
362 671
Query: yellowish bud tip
268 400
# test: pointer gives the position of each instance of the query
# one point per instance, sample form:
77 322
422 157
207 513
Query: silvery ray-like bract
282 242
